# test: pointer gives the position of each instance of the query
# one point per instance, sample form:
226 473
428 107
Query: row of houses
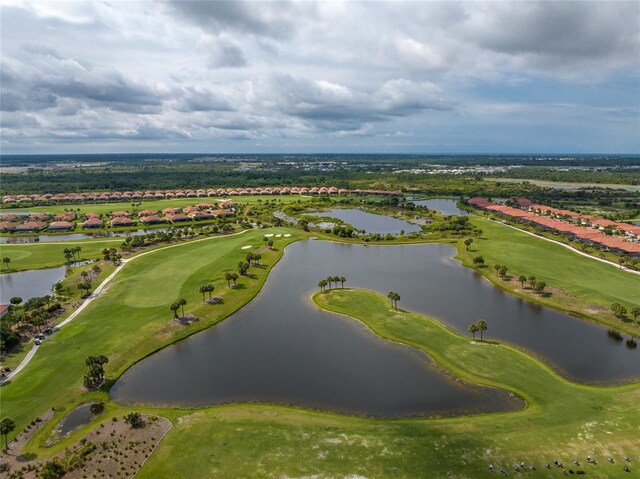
168 194
623 238
36 222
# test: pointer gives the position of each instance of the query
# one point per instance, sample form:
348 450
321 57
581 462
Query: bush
52 470
134 419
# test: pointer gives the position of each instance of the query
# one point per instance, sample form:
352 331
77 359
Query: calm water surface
74 236
29 284
281 348
370 222
443 205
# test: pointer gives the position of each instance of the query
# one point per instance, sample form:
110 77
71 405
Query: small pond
369 222
29 284
281 348
443 205
80 416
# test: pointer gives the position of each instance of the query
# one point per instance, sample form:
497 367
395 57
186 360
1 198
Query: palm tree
321 284
342 281
635 311
228 277
174 309
6 260
67 255
328 281
522 280
257 257
6 426
97 269
182 302
482 326
532 281
85 275
473 329
203 290
249 258
234 278
394 298
468 242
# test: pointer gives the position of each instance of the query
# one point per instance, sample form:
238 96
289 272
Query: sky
307 77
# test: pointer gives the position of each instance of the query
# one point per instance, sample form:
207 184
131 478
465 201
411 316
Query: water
75 236
79 417
444 206
281 348
29 284
370 222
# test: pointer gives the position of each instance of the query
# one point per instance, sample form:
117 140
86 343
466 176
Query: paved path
97 292
628 270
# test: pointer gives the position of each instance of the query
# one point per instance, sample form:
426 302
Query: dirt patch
596 309
185 320
113 449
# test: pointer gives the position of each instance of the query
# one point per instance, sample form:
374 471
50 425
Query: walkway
97 292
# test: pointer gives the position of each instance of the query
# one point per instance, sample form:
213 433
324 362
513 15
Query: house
116 214
39 216
147 213
30 226
122 221
60 226
7 226
93 223
152 220
170 211
177 218
4 309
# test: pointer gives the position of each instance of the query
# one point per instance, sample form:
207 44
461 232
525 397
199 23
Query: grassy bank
563 421
577 284
131 318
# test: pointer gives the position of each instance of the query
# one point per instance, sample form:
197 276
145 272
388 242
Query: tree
6 260
209 289
67 255
15 300
6 426
342 281
619 310
394 298
522 279
95 373
635 312
85 285
502 271
182 302
249 258
270 244
134 419
473 329
468 242
532 281
96 269
322 284
174 309
478 260
539 287
257 257
228 277
497 267
482 326
243 268
203 291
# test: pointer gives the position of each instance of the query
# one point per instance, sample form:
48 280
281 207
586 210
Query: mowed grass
131 318
563 420
157 205
48 255
591 286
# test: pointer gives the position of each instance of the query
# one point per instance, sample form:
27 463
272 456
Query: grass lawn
48 255
152 204
563 421
133 318
589 286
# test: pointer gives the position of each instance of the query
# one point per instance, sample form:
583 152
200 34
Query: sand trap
269 235
247 247
278 236
287 235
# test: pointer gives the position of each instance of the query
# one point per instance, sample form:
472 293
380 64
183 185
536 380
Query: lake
74 236
281 348
369 222
443 205
29 284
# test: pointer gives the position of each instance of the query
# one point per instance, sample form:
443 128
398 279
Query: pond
29 284
281 348
74 236
80 416
369 222
443 205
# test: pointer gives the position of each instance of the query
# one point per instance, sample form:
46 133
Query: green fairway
47 255
589 286
152 204
563 421
131 318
